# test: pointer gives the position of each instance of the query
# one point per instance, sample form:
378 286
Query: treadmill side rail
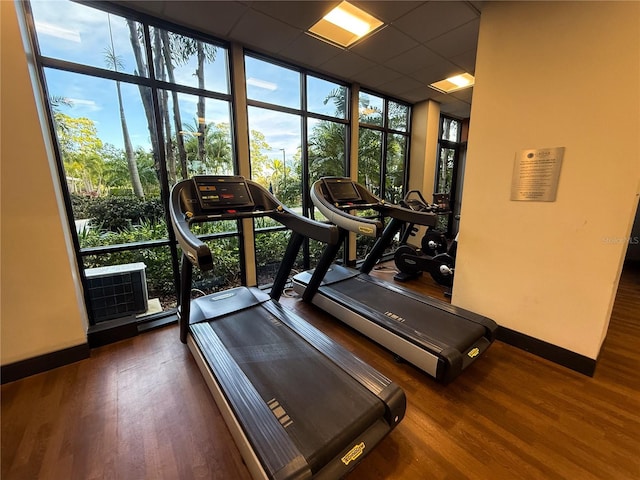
275 449
294 412
418 346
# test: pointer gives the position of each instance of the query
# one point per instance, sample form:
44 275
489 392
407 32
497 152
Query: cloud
86 105
45 28
256 82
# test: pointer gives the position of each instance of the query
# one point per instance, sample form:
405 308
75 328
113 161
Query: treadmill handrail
339 213
336 215
185 210
194 249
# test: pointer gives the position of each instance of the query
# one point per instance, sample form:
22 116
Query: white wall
425 122
552 74
41 309
425 125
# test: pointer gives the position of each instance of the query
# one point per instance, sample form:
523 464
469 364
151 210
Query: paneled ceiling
421 43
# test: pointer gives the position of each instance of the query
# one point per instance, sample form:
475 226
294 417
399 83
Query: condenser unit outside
117 290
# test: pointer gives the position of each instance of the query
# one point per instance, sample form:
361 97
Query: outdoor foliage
119 187
158 260
117 213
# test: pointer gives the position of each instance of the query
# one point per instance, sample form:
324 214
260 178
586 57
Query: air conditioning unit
117 291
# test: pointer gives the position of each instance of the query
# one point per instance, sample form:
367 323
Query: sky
80 34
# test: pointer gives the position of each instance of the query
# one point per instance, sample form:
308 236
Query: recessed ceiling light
455 83
345 25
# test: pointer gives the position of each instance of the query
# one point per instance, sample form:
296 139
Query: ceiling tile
262 32
346 64
309 51
400 85
455 107
387 11
415 96
376 75
456 41
464 95
384 45
413 60
434 73
215 18
300 14
466 60
434 19
152 7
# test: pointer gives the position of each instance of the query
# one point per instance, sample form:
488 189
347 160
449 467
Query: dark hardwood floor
139 409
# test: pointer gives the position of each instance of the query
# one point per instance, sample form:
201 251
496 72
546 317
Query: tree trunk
145 94
177 121
201 105
163 100
128 149
169 154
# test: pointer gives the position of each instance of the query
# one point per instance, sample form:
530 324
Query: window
271 83
382 151
137 105
127 131
294 140
447 167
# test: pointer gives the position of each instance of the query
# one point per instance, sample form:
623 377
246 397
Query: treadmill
437 337
297 404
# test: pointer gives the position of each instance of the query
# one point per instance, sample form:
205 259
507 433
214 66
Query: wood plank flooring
139 409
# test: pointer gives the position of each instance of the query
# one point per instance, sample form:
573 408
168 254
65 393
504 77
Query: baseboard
111 331
42 363
632 264
98 335
548 351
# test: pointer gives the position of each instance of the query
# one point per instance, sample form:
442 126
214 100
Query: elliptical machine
435 256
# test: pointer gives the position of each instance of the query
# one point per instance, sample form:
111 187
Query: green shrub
118 213
80 205
270 247
120 192
158 259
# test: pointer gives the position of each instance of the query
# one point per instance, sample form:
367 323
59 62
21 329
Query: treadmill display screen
223 193
342 190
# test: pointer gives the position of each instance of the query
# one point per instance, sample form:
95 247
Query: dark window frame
446 144
155 85
147 22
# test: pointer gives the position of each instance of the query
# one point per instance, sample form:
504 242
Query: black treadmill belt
320 406
443 328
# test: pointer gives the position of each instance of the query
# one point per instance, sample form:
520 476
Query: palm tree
113 61
136 39
166 55
182 48
217 157
326 150
170 51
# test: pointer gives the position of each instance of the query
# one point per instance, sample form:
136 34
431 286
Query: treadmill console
223 193
341 190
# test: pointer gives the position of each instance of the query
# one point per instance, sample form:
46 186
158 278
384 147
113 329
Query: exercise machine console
297 404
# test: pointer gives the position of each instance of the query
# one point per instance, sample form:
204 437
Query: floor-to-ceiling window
447 167
135 108
298 124
139 104
383 149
